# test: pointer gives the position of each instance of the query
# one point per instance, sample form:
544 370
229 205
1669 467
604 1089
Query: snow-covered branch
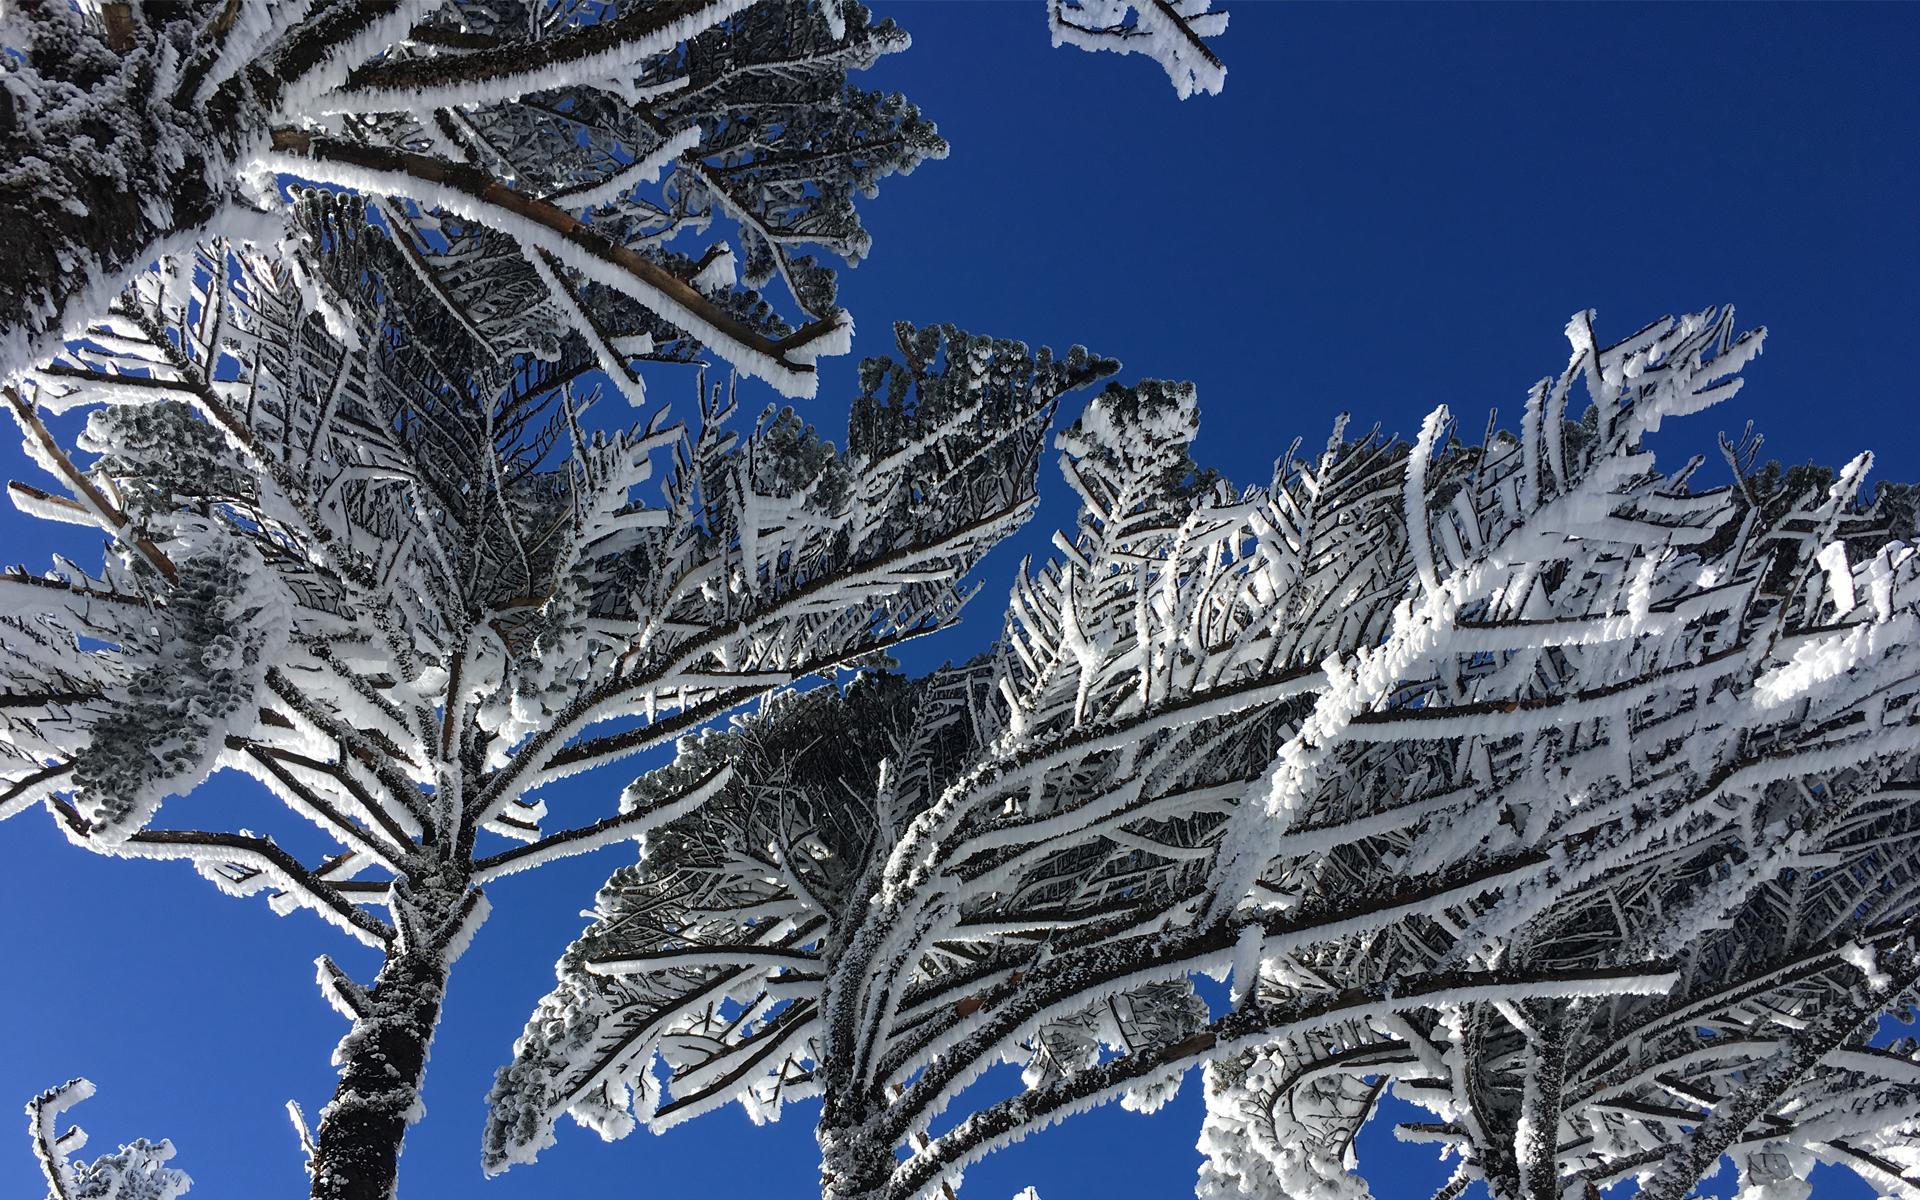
1173 33
136 1171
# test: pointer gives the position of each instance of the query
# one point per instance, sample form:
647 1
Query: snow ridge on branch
1174 33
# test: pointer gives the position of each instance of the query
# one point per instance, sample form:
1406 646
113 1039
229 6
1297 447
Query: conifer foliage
586 134
1569 798
136 1171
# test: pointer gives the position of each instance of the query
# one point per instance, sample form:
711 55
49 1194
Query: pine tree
390 565
1566 796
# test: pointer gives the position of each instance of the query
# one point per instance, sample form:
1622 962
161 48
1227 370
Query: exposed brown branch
29 417
20 792
338 822
478 186
338 773
117 17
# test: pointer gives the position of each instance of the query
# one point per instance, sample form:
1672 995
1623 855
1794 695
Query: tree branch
603 52
109 512
257 854
1687 1162
587 838
1243 1029
543 226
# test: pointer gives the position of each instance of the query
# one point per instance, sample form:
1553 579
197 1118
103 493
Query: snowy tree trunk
383 1062
1537 1145
855 1163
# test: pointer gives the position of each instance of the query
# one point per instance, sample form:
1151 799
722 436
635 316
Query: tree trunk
1538 1147
855 1164
382 1064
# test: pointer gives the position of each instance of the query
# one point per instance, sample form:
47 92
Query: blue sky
1389 208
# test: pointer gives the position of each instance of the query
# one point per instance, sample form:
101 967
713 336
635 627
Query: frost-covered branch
786 363
583 54
137 1171
1171 32
1011 1120
136 136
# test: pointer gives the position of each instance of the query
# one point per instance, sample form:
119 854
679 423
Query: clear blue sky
1390 207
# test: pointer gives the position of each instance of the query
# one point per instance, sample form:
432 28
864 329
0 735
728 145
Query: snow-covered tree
1568 795
399 575
136 1171
588 134
1172 33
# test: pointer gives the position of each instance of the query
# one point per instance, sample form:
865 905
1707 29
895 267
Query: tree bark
383 1063
856 1162
1538 1149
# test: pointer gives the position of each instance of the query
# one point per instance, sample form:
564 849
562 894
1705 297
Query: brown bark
30 419
484 188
